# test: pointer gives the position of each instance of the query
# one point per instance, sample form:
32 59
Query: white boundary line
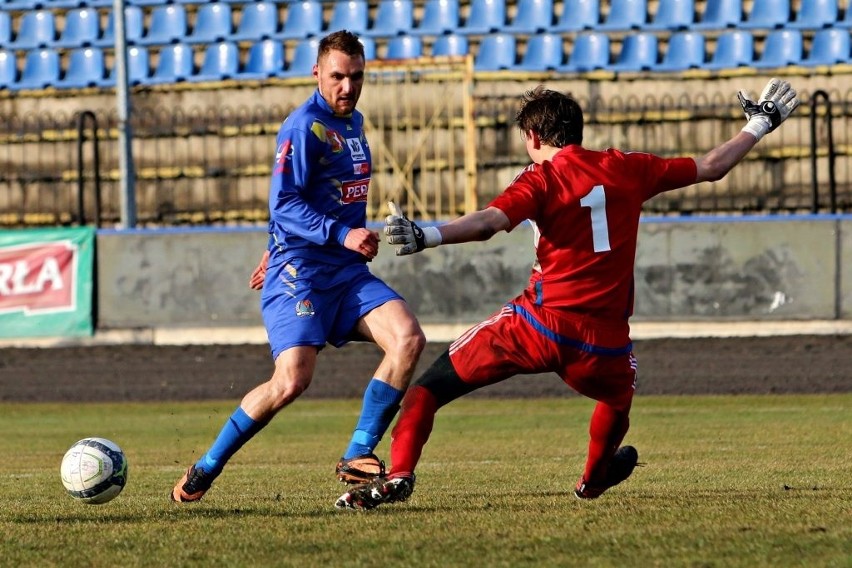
437 333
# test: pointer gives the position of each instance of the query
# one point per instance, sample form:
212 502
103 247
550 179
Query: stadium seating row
590 51
164 23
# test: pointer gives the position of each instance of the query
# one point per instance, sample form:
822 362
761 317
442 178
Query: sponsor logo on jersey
361 168
38 278
329 136
354 191
356 149
291 270
304 308
283 153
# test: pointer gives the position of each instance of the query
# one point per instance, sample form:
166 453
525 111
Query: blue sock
381 401
238 430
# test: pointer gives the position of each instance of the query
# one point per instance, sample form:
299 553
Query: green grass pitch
728 481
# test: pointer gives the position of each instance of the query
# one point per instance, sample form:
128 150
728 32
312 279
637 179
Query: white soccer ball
94 470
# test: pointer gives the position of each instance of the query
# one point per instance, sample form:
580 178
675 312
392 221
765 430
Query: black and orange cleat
192 486
360 469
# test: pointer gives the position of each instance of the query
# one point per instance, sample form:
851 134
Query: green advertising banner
46 282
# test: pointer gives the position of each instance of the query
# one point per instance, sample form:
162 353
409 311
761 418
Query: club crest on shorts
304 308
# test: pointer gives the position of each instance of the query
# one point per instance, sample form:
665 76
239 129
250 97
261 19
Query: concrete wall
753 269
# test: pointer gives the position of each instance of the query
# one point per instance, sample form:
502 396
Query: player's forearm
477 226
715 164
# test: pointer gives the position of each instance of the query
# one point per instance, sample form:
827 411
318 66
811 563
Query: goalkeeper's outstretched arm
777 101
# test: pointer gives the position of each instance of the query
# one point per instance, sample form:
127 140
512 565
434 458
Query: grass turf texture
728 481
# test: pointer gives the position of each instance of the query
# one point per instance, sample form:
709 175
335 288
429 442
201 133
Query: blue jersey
320 180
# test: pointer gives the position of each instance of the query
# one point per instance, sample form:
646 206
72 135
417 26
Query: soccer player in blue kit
316 287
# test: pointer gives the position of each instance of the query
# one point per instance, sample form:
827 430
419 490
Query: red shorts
593 356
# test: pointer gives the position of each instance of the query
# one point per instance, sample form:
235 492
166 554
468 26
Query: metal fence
211 165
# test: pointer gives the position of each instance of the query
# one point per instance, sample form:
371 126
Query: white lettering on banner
16 278
354 191
38 278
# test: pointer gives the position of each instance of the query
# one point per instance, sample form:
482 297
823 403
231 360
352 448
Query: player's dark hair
555 117
342 40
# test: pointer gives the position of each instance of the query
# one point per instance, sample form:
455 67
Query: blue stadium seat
544 52
175 63
685 50
590 52
404 47
258 21
846 21
578 15
484 17
673 15
304 58
265 59
829 47
41 69
145 2
212 23
393 17
734 48
638 53
352 15
496 52
781 48
168 25
439 17
816 14
625 15
85 69
36 29
303 19
21 5
82 28
138 67
62 4
531 17
450 45
134 27
8 69
767 14
5 28
720 14
369 48
221 62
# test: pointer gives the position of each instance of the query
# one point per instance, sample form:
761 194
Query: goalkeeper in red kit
572 318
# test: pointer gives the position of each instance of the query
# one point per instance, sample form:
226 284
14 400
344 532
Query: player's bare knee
283 392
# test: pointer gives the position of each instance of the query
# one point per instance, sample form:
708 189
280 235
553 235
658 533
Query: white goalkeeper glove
776 102
406 235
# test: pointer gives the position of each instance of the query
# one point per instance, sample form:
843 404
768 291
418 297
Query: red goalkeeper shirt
585 207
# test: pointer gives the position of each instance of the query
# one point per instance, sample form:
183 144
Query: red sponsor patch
361 168
354 191
38 278
282 154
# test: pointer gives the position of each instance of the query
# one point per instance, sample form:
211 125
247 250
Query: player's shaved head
555 117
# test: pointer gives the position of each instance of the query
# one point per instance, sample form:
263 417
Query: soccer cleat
620 468
379 491
192 486
360 469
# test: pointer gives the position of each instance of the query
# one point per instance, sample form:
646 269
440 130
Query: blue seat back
393 17
496 52
767 14
37 28
532 16
590 52
450 45
816 14
174 64
352 15
485 16
734 48
404 47
134 27
829 47
781 48
8 69
304 58
720 14
439 17
258 21
578 15
5 28
85 68
221 61
303 19
138 65
265 58
82 28
685 50
41 69
638 53
673 15
212 23
168 24
625 15
544 52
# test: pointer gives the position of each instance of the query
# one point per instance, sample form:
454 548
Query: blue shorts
305 303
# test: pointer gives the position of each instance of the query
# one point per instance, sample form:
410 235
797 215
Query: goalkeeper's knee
442 380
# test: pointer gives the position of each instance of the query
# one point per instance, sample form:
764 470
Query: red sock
417 415
606 430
